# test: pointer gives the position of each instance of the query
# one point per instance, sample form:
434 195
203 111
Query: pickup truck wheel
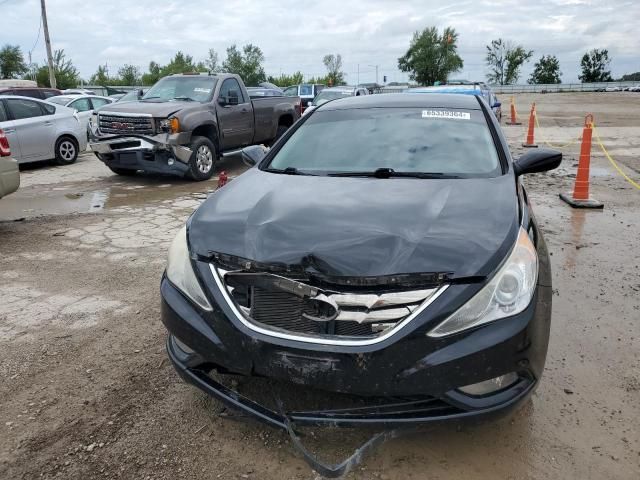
127 172
66 151
202 159
282 129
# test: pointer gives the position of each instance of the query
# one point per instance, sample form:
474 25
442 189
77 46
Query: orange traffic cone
532 120
580 197
514 117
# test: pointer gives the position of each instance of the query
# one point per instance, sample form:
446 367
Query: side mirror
496 105
538 160
253 154
140 94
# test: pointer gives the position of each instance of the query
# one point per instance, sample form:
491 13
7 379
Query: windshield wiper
390 172
184 98
148 98
290 171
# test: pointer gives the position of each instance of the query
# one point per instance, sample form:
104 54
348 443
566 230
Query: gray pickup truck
185 123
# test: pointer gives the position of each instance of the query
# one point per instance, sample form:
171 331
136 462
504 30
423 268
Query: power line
37 39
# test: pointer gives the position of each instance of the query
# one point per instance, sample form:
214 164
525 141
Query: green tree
180 63
66 73
129 75
546 70
504 61
12 63
211 62
432 57
630 77
285 80
153 75
595 66
100 77
333 63
247 64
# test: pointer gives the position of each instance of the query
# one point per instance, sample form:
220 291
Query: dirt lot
86 390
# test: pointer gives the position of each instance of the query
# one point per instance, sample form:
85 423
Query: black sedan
384 249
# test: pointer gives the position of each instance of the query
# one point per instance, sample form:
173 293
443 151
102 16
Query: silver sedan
85 105
39 130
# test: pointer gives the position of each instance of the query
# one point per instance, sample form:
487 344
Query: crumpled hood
157 109
361 226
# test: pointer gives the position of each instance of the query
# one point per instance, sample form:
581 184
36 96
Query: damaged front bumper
406 379
162 153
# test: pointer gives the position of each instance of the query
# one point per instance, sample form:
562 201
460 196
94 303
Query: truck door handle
244 110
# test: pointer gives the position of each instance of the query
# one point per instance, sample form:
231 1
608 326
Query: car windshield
326 95
60 100
198 88
450 142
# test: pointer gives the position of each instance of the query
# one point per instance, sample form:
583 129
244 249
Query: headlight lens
180 272
171 125
508 293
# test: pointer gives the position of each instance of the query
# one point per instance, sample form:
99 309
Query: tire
66 151
202 160
282 129
127 172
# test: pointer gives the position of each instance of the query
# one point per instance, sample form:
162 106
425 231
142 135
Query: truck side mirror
539 160
254 154
496 105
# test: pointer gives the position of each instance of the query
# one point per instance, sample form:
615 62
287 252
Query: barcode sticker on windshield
202 90
446 114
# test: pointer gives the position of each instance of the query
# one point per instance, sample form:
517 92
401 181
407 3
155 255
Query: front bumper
163 153
416 376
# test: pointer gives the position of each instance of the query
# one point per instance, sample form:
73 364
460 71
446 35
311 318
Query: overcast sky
295 35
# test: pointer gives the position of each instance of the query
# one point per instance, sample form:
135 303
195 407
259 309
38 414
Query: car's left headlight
508 293
180 272
170 125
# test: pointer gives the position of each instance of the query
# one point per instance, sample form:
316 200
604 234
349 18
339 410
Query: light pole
47 41
376 67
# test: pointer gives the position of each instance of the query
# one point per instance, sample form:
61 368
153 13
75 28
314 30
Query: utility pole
376 67
47 41
358 80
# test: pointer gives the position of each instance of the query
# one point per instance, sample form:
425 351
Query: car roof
399 100
344 88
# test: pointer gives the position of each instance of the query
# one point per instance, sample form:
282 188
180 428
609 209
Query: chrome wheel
67 150
204 159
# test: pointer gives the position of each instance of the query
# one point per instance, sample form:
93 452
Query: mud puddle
35 202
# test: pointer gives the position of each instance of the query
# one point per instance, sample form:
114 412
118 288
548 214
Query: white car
39 130
85 105
333 93
612 88
635 88
78 91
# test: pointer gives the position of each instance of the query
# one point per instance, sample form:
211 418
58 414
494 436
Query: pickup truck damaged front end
142 145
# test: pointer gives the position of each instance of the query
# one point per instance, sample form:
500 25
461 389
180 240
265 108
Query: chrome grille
121 124
366 315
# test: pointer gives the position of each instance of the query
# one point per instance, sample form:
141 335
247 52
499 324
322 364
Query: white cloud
295 36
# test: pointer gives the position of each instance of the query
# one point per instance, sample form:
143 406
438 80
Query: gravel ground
86 390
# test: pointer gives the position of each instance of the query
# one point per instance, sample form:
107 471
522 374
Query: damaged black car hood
361 226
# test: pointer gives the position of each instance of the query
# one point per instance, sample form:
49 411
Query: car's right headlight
508 293
180 272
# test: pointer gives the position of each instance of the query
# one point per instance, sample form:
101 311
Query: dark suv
33 92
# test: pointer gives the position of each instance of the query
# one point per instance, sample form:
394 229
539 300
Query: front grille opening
360 315
123 124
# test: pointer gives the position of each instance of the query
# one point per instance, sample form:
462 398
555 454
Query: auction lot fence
560 87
